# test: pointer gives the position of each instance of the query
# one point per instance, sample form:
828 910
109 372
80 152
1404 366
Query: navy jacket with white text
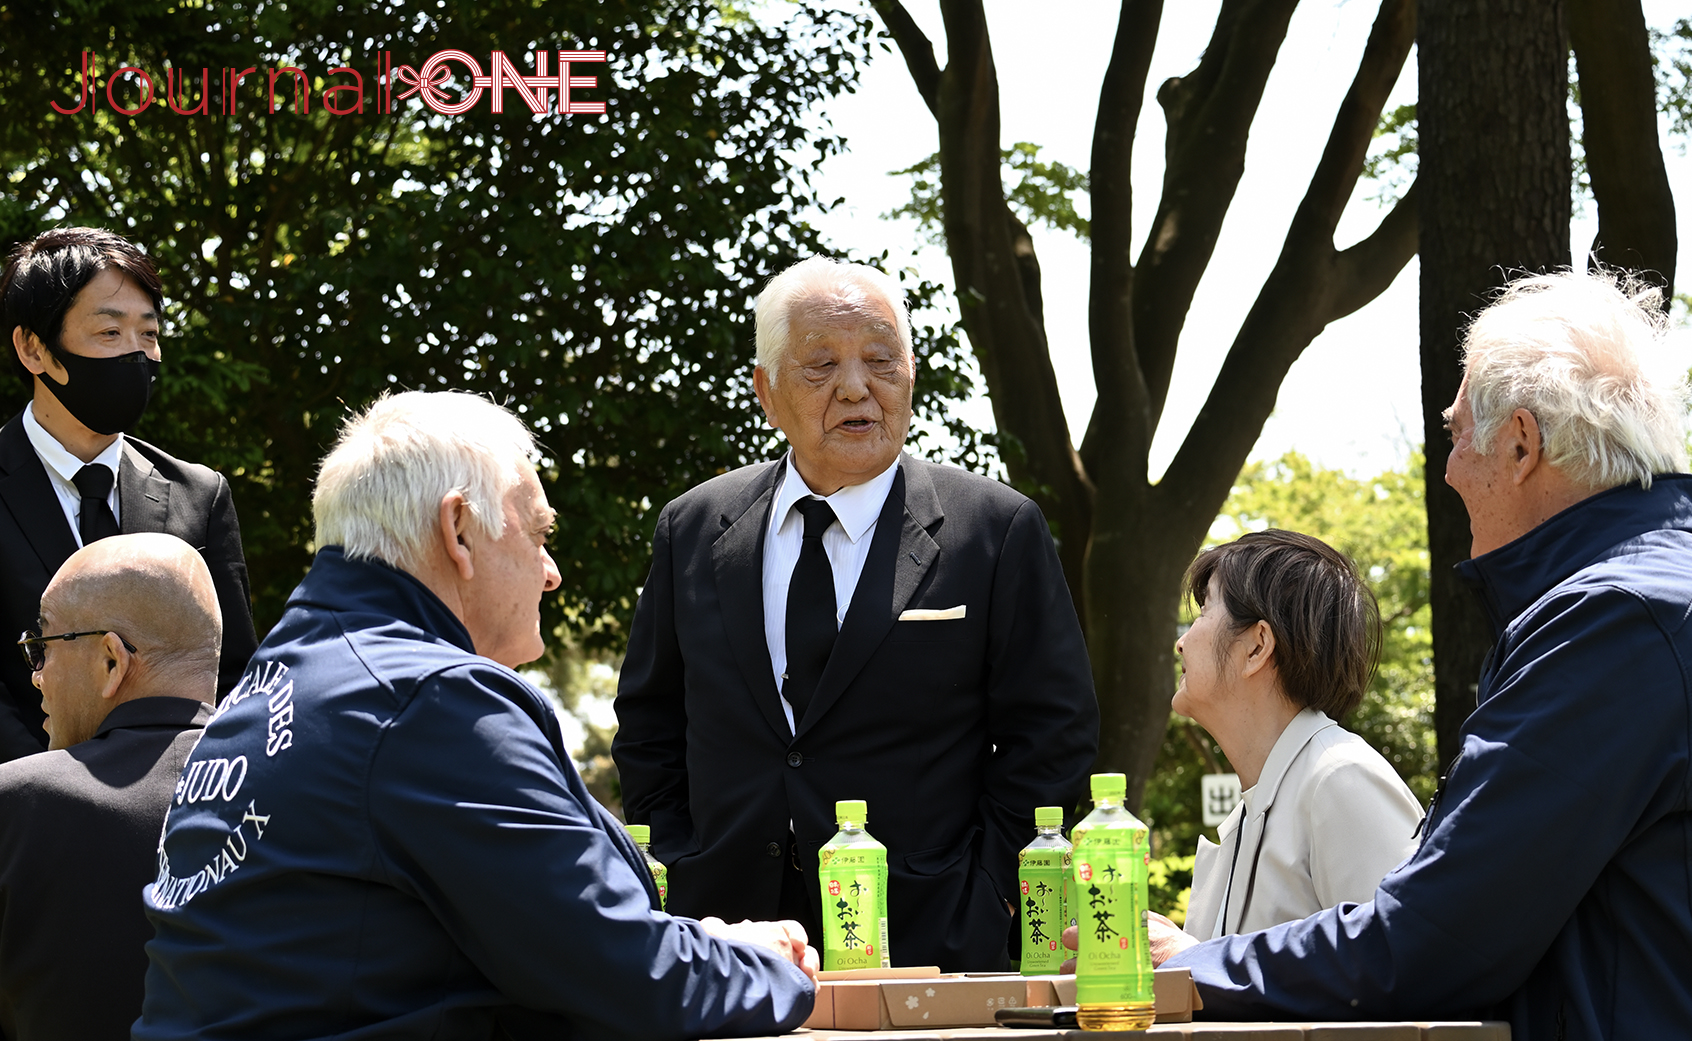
381 835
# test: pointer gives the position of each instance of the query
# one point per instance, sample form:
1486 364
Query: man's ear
30 350
1259 647
761 384
455 534
118 663
1523 442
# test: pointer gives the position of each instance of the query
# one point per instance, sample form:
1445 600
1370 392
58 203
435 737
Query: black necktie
811 627
94 481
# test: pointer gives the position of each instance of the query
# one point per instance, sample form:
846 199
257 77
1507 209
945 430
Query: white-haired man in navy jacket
1550 887
381 834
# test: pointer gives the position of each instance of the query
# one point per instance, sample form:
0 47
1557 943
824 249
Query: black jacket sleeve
651 743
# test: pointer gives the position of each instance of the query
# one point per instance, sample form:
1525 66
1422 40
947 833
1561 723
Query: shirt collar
857 506
57 457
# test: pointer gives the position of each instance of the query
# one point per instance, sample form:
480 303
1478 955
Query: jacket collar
1300 729
1512 577
372 587
28 493
186 713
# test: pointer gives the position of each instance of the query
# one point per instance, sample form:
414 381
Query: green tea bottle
1042 874
852 868
642 836
1113 969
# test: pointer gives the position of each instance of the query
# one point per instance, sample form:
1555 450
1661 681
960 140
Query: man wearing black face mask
81 312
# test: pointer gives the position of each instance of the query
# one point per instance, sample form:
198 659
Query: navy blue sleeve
1549 787
473 812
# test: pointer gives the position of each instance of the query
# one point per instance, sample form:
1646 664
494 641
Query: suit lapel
901 553
29 494
737 558
143 496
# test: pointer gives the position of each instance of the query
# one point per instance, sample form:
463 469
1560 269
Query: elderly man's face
502 606
1483 481
70 682
841 392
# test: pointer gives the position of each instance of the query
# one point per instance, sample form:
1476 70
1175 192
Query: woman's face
1205 668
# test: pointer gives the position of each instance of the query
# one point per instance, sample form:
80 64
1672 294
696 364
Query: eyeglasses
30 643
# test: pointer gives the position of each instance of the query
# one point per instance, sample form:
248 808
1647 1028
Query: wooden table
1405 1031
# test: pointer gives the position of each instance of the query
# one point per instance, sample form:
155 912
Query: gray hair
1586 354
822 276
379 490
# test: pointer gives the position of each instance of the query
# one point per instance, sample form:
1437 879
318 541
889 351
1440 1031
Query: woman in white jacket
1286 640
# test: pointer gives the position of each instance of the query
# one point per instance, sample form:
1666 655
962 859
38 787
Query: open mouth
858 425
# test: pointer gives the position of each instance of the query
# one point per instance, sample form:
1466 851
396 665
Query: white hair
825 277
379 490
1587 354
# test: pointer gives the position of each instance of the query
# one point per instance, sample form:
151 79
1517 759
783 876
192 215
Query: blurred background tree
594 272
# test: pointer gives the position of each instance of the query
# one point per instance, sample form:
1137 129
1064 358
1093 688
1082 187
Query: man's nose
553 578
853 382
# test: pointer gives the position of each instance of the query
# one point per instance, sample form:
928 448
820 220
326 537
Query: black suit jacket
953 731
156 492
79 837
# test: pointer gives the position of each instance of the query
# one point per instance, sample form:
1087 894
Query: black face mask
106 395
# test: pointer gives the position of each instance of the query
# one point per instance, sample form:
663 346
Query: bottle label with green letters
1114 963
1040 878
854 905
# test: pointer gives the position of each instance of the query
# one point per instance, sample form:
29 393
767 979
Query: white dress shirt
61 466
1342 820
847 543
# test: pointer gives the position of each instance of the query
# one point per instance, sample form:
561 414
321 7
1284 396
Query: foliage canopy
594 272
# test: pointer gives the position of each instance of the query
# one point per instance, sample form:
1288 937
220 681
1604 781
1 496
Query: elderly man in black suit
852 623
126 662
81 311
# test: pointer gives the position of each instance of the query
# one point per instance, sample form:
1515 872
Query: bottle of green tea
1113 968
642 836
1042 874
852 868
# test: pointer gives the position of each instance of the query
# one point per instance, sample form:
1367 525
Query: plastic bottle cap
639 832
1048 817
851 810
1112 786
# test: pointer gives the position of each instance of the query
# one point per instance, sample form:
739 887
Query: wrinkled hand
1167 939
786 938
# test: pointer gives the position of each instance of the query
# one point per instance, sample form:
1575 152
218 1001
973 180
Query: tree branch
1618 105
915 46
997 279
1308 285
1209 113
1363 271
1110 310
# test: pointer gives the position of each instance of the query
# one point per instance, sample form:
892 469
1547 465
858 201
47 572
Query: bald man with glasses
125 658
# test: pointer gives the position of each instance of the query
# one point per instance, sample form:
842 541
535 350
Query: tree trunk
1494 177
1618 105
1138 537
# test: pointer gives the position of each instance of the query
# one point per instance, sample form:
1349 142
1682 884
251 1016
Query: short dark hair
44 275
1326 622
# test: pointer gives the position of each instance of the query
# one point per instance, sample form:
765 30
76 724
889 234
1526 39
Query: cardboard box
884 999
1175 995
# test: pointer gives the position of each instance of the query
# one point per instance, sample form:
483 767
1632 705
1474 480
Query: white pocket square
922 614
